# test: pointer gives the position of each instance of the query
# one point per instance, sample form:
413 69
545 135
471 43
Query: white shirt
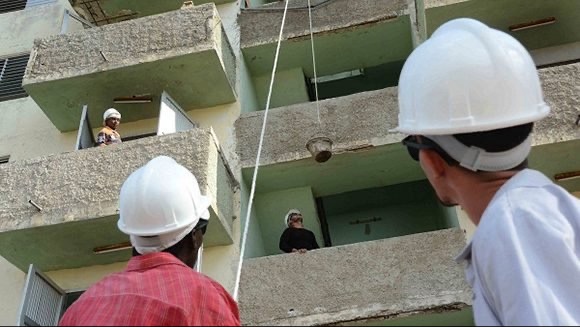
523 262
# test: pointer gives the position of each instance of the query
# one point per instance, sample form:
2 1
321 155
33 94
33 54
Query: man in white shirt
468 98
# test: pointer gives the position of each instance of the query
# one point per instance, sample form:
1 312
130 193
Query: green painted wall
271 208
403 209
289 88
141 7
448 217
247 90
258 3
254 243
462 317
374 78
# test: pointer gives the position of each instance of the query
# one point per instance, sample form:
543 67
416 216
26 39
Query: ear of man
197 239
432 163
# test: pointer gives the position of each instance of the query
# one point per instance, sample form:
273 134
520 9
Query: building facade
191 80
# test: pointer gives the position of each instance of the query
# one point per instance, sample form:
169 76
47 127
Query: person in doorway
468 99
165 216
295 237
108 134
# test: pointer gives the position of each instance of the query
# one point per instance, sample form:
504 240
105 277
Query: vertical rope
257 163
199 259
314 61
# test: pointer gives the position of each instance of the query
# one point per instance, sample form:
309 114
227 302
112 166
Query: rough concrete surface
364 119
352 122
262 25
561 86
147 39
353 282
85 184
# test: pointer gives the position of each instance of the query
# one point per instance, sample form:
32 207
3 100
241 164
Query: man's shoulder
106 130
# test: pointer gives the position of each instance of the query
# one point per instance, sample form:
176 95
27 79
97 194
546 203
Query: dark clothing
297 238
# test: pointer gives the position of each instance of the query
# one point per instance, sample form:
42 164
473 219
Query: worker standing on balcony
165 216
296 238
109 135
468 98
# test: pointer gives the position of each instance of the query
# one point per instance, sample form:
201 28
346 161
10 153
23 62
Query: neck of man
474 191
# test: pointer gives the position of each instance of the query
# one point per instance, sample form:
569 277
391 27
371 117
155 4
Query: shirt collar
465 254
526 177
152 260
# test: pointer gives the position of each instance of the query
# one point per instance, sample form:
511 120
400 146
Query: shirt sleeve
223 311
101 138
529 269
285 241
231 316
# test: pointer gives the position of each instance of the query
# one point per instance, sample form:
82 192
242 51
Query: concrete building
191 81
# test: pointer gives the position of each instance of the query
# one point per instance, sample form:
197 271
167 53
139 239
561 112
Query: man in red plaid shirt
163 212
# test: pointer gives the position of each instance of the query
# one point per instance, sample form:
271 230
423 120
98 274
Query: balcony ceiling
380 166
389 40
70 245
102 12
196 80
388 165
502 14
217 2
361 46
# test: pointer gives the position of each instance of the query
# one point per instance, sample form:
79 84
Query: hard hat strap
474 158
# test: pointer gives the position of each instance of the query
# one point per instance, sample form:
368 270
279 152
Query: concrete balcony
78 196
385 279
364 32
184 52
359 126
501 15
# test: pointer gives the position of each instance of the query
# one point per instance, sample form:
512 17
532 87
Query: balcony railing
68 203
363 281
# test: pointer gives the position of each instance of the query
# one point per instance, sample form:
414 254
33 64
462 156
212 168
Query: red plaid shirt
154 290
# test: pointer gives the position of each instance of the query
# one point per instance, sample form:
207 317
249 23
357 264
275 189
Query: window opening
12 5
11 74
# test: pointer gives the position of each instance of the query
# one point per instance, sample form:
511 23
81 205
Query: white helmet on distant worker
290 214
111 113
468 78
160 203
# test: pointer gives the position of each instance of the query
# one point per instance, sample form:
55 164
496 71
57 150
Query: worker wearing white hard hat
468 98
295 237
165 215
109 134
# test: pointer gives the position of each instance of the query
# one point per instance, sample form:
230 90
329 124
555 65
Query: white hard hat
289 214
468 78
111 113
161 199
